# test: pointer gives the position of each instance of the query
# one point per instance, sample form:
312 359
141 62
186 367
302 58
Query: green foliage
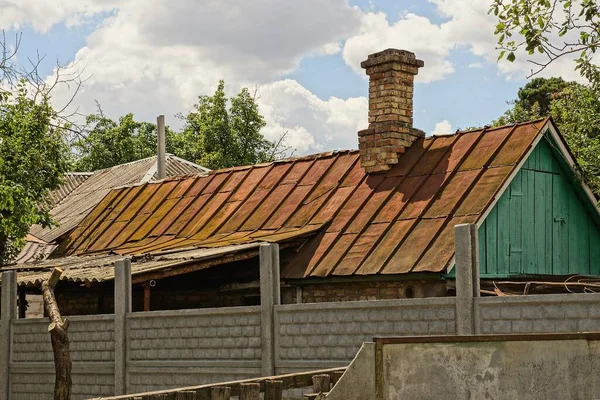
576 110
111 143
552 28
214 136
33 158
217 137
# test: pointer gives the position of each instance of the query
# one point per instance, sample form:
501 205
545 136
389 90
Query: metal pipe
161 159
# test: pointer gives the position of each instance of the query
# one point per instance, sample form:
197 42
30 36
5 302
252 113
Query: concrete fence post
269 297
8 312
467 277
122 308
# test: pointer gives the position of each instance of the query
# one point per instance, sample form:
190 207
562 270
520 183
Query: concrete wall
166 349
490 368
92 351
538 314
325 335
169 349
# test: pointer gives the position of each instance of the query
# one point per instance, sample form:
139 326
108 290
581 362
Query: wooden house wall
540 225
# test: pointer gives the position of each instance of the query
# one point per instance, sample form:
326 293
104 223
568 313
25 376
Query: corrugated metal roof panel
71 181
100 268
387 223
75 206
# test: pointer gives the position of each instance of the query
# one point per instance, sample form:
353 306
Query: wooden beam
147 297
56 273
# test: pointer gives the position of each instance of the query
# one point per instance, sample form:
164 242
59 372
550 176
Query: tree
33 158
109 143
576 110
552 28
217 137
213 136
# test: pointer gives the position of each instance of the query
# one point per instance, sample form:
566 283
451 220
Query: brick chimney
391 81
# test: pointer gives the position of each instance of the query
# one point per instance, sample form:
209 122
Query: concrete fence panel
312 336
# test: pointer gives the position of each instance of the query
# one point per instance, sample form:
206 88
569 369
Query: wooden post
22 302
250 391
321 383
337 375
273 390
220 393
146 297
60 340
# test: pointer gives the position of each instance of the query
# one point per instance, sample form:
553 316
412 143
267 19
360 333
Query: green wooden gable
543 224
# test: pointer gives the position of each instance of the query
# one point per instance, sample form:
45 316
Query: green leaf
511 56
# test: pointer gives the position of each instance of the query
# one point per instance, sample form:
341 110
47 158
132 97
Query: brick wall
191 347
375 290
310 336
537 314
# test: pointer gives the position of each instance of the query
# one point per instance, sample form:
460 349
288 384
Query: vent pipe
161 159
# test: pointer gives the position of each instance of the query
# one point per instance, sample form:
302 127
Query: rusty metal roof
393 223
81 200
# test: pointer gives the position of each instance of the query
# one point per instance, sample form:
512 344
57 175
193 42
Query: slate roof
393 223
74 207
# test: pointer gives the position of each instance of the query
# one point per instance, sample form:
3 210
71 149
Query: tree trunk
60 340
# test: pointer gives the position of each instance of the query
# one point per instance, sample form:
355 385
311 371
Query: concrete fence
133 352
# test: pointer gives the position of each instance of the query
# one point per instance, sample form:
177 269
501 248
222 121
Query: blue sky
303 59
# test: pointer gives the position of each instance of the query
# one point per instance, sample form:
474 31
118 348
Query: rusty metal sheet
359 250
436 156
334 174
442 249
424 196
448 199
354 203
375 262
333 255
332 205
458 151
401 196
517 144
484 190
378 197
287 208
415 244
410 158
489 143
268 206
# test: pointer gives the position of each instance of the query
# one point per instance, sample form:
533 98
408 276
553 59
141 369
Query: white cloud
313 124
412 32
42 15
442 128
158 58
476 65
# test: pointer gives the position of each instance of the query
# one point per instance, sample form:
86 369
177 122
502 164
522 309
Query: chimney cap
392 56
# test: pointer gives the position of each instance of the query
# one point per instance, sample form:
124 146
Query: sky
156 57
